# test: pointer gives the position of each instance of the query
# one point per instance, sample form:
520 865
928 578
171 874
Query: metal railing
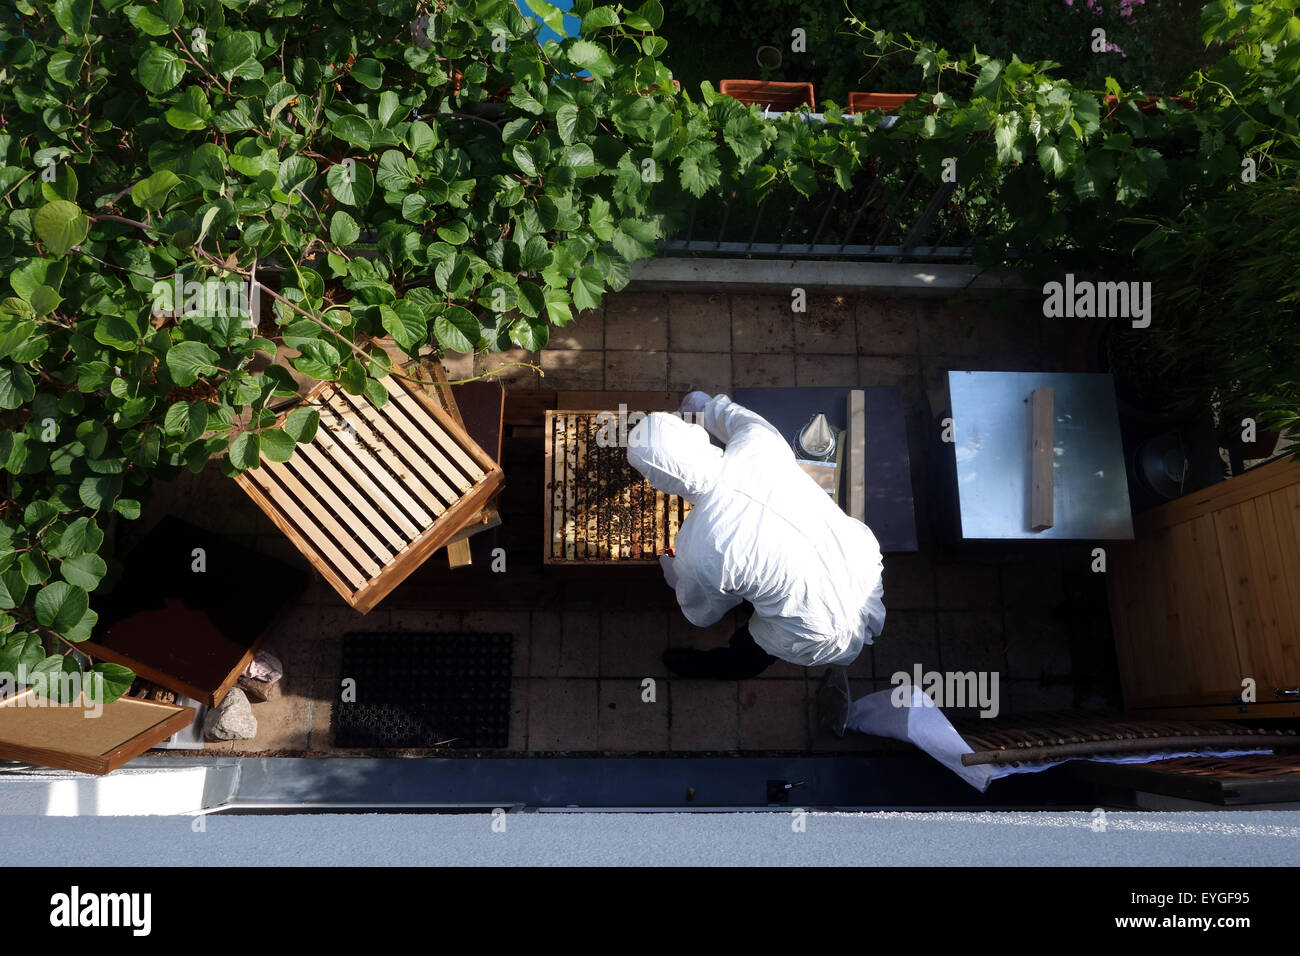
890 215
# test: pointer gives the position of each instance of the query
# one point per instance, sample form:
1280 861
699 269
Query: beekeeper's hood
674 455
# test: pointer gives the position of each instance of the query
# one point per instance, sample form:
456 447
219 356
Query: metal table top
991 432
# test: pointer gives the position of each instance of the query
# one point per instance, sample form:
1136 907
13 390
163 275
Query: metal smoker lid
817 438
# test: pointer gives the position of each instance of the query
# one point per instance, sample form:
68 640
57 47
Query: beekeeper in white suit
760 530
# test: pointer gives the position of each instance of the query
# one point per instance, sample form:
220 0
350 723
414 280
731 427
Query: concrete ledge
779 276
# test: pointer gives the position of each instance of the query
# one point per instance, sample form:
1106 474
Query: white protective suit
760 530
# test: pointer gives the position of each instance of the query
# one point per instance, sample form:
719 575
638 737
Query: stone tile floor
1036 616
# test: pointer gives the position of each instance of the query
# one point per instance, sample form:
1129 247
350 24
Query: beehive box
598 508
377 491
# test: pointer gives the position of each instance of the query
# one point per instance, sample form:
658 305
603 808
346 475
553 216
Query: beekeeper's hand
694 403
670 575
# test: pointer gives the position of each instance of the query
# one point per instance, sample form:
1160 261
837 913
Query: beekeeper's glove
670 575
694 403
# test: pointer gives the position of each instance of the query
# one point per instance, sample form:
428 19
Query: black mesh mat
418 689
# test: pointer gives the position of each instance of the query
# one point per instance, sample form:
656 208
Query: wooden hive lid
377 490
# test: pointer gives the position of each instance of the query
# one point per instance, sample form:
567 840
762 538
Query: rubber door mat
424 690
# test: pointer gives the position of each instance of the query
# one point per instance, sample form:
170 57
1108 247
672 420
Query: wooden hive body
598 509
377 491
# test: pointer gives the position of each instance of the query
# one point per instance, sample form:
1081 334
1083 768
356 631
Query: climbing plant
369 168
423 171
1194 193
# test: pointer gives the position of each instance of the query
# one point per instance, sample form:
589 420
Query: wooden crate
161 595
377 491
63 737
1207 595
598 509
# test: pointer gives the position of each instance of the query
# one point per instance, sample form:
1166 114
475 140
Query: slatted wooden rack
599 510
377 491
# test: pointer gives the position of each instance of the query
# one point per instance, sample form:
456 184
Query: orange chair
769 93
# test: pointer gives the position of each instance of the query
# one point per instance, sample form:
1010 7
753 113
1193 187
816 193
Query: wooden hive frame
584 524
376 491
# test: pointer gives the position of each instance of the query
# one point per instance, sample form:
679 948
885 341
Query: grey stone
232 719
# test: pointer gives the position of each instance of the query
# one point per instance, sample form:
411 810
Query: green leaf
389 106
16 387
80 536
188 361
591 56
13 332
524 159
456 329
244 451
648 16
60 605
422 138
343 229
701 174
301 424
352 185
65 68
549 14
566 118
455 232
588 286
1049 155
191 110
117 680
148 22
61 225
44 677
535 255
394 174
34 569
369 73
99 491
600 220
232 52
598 19
352 129
186 421
115 331
151 193
159 70
64 186
633 239
802 178
405 322
84 571
128 508
82 629
530 333
73 16
45 300
12 588
295 173
988 84
276 444
20 650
